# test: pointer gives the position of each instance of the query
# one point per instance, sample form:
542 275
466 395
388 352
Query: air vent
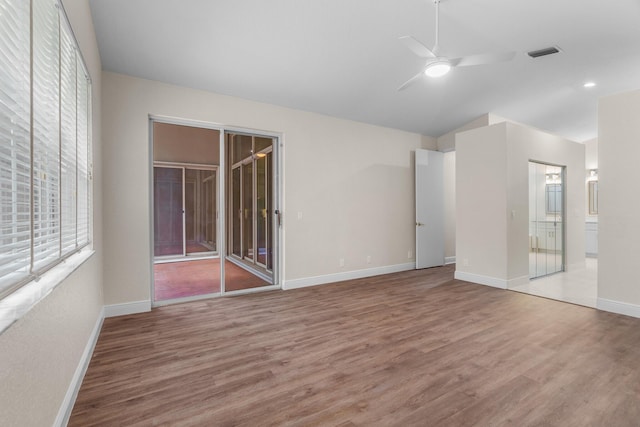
544 52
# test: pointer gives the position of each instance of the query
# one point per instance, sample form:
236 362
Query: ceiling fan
438 66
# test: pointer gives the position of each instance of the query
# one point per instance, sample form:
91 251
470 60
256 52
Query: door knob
419 224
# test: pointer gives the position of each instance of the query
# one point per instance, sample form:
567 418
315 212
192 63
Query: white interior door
429 209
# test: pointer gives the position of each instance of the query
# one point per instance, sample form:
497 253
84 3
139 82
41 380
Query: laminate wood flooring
409 349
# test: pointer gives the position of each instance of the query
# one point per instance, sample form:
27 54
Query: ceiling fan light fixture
437 69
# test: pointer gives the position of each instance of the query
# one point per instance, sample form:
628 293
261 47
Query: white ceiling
342 57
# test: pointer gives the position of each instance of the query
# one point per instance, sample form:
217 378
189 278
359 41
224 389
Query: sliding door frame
221 237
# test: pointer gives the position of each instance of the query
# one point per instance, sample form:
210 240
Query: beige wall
492 199
352 183
618 224
524 144
40 352
447 144
481 202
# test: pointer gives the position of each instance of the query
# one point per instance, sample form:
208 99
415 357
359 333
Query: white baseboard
618 307
481 280
64 413
449 260
127 308
347 275
522 280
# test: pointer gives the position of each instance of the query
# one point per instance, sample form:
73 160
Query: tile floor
577 286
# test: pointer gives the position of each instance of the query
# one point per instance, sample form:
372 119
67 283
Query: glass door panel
247 208
261 211
270 213
249 263
168 218
209 209
236 212
199 206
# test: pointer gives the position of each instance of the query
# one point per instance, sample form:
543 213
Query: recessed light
589 85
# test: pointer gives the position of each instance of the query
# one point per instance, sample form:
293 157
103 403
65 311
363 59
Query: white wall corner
618 307
481 280
127 308
64 413
450 260
347 275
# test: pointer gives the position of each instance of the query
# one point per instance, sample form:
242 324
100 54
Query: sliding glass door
215 217
251 216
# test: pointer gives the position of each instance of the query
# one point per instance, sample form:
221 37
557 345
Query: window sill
16 305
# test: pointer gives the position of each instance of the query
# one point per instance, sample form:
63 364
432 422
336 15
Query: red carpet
190 278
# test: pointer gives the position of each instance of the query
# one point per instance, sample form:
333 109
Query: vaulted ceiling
343 58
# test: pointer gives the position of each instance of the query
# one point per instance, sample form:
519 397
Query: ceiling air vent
543 52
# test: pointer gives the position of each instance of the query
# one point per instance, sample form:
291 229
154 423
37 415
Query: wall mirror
593 197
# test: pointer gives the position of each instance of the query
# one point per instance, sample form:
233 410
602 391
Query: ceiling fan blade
417 47
411 80
485 58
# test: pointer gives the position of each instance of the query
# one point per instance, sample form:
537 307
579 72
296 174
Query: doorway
215 222
546 219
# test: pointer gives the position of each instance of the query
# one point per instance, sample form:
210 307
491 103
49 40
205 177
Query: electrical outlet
368 259
409 254
465 262
341 262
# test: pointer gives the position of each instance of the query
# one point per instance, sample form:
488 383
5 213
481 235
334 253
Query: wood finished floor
412 348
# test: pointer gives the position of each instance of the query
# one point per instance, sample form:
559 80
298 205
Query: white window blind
82 161
68 131
15 142
45 144
46 133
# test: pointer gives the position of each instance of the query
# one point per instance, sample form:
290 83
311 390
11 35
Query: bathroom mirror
593 197
553 199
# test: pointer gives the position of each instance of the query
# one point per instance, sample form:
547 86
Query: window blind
82 161
68 131
15 142
46 133
45 141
